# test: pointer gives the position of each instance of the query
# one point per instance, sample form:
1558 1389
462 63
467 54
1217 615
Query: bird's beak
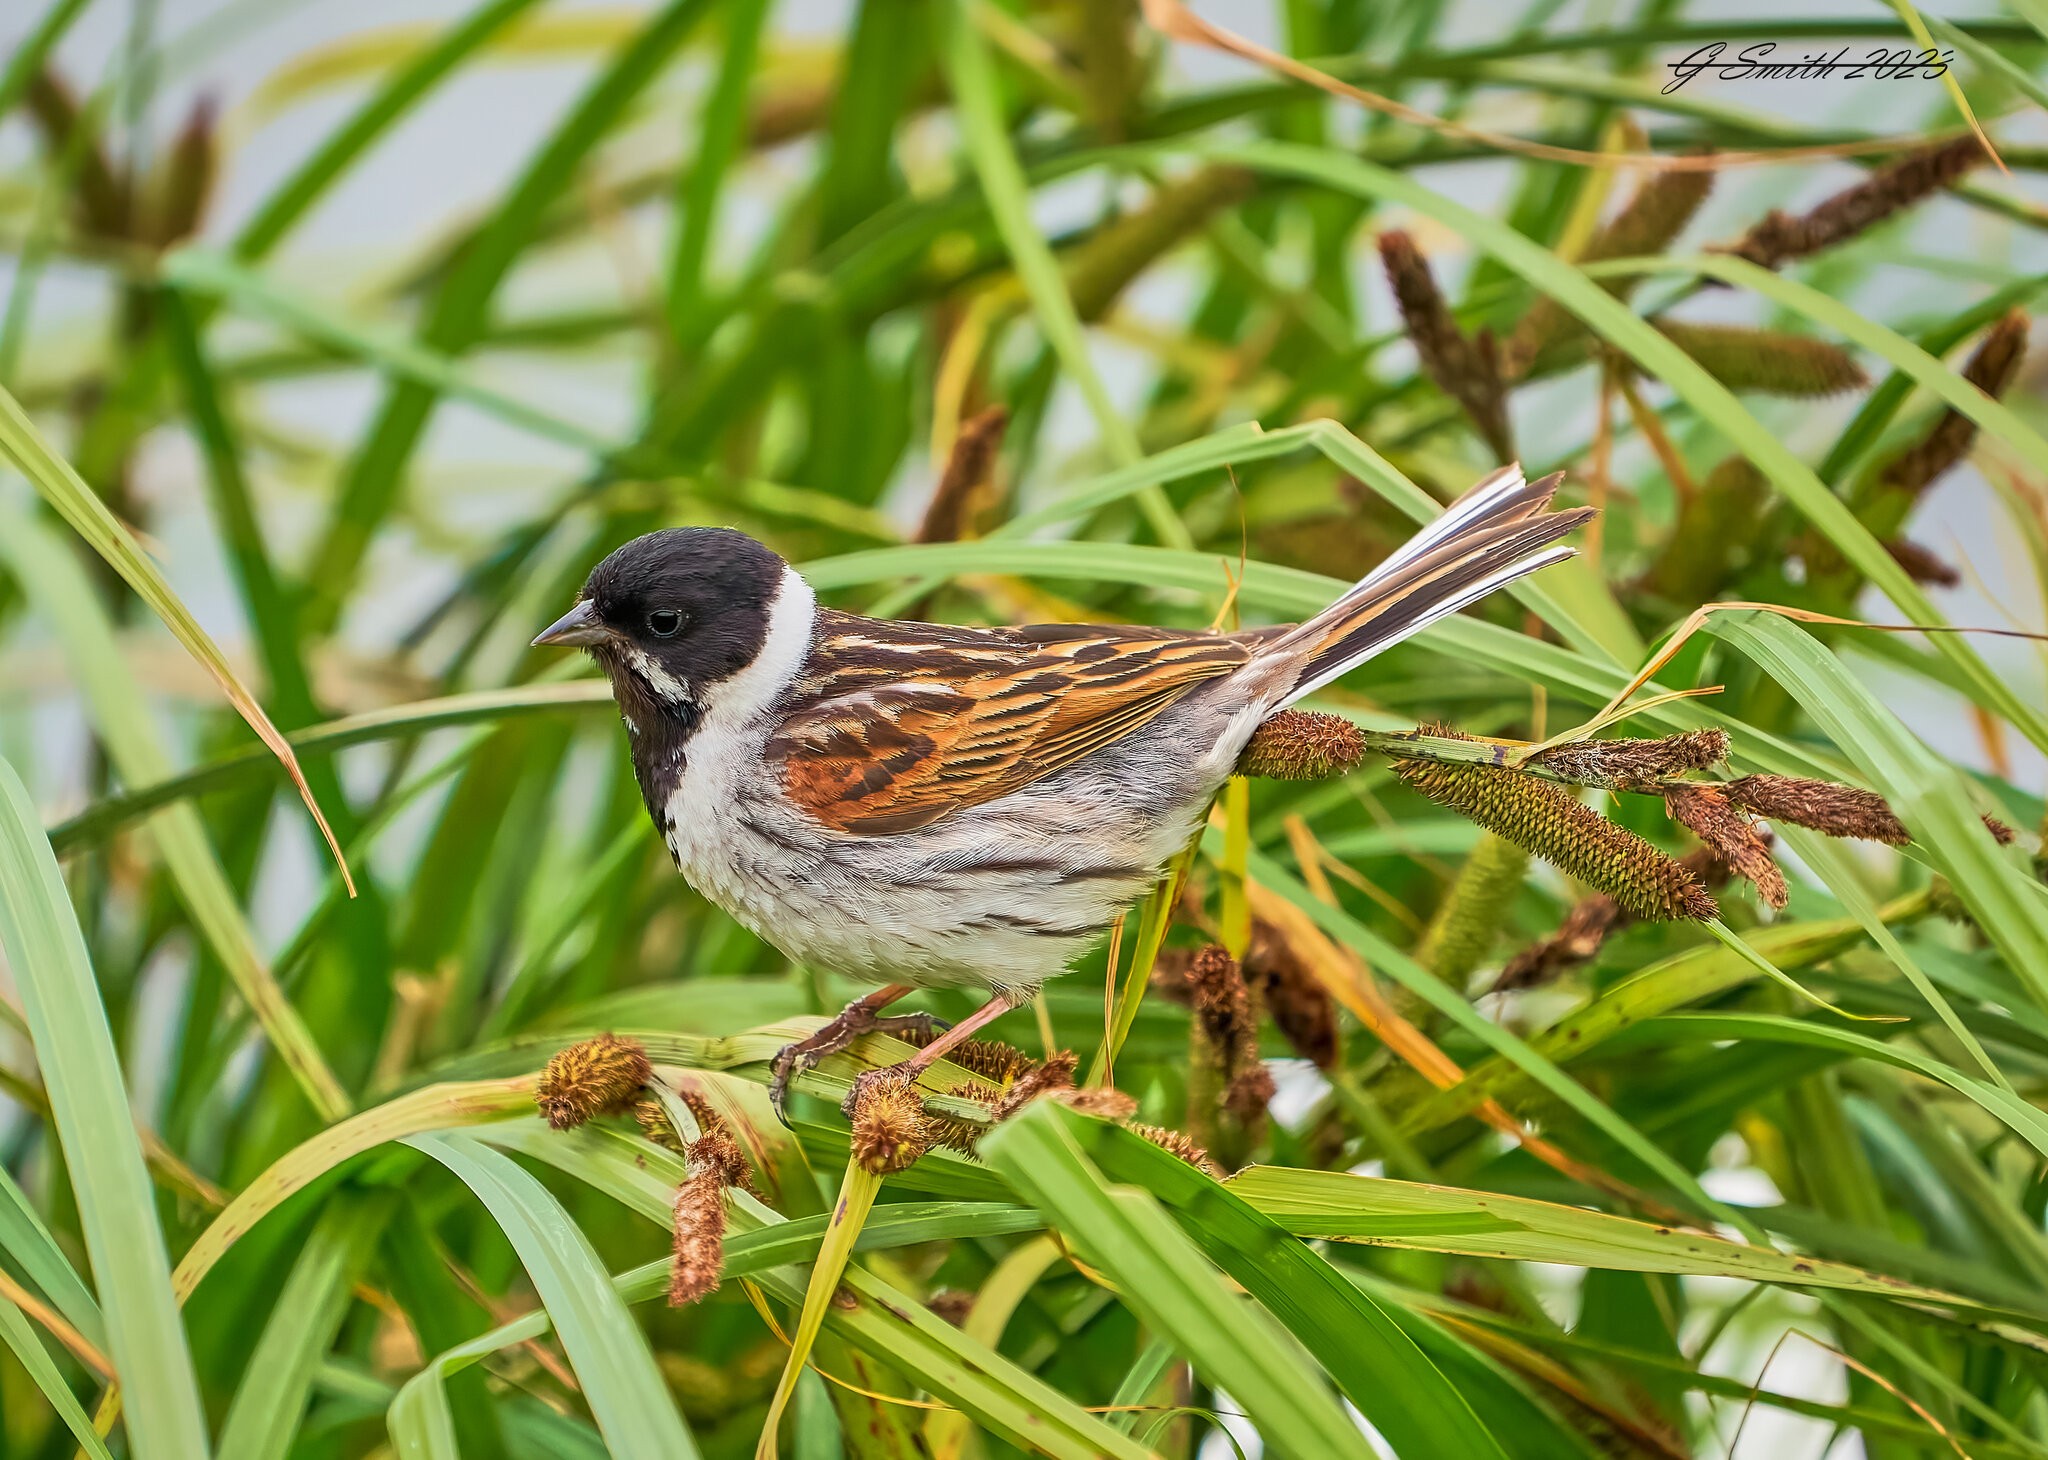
580 625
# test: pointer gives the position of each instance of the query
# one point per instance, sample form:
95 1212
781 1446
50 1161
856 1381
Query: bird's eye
665 623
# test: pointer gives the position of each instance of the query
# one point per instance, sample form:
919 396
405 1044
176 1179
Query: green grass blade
1836 866
404 90
89 1108
1375 1365
20 1336
624 1389
107 816
1164 1279
461 309
437 1107
265 1414
1691 977
204 271
1003 1397
1929 795
1405 971
34 48
25 1238
978 96
1343 1206
2024 1120
1713 402
66 492
54 580
720 129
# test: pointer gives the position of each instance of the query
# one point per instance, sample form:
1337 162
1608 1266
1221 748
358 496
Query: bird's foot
855 1020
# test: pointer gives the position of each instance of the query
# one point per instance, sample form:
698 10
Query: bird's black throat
659 730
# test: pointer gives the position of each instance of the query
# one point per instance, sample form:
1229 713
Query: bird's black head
672 615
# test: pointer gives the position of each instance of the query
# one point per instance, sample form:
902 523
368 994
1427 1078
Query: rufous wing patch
876 753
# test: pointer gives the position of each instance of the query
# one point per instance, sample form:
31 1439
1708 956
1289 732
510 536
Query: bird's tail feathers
1497 532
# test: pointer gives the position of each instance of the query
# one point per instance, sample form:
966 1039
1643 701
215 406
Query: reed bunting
922 806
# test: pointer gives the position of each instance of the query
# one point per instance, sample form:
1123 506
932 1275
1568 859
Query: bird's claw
803 1055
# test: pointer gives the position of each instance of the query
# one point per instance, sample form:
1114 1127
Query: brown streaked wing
896 729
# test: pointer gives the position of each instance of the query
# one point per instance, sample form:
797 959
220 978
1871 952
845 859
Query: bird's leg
862 1016
935 1051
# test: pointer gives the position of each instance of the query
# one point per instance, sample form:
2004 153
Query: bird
918 805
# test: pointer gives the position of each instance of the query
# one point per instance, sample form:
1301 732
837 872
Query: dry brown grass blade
76 1343
1175 21
1697 619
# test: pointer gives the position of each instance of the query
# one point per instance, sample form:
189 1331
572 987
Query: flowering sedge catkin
1627 765
699 1255
1550 824
1822 806
1176 1144
994 1061
1469 919
1055 1073
1707 812
889 1125
1899 184
1654 215
1588 925
598 1076
1302 745
1464 369
1100 1101
1715 530
1768 362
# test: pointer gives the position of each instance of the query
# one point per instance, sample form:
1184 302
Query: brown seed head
1301 1007
1714 819
1655 213
1303 745
1822 806
699 1240
599 1076
1173 1142
1990 368
1625 765
1550 824
1221 1002
1100 1101
1056 1073
1897 185
970 468
1922 563
1250 1091
889 1125
1466 370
